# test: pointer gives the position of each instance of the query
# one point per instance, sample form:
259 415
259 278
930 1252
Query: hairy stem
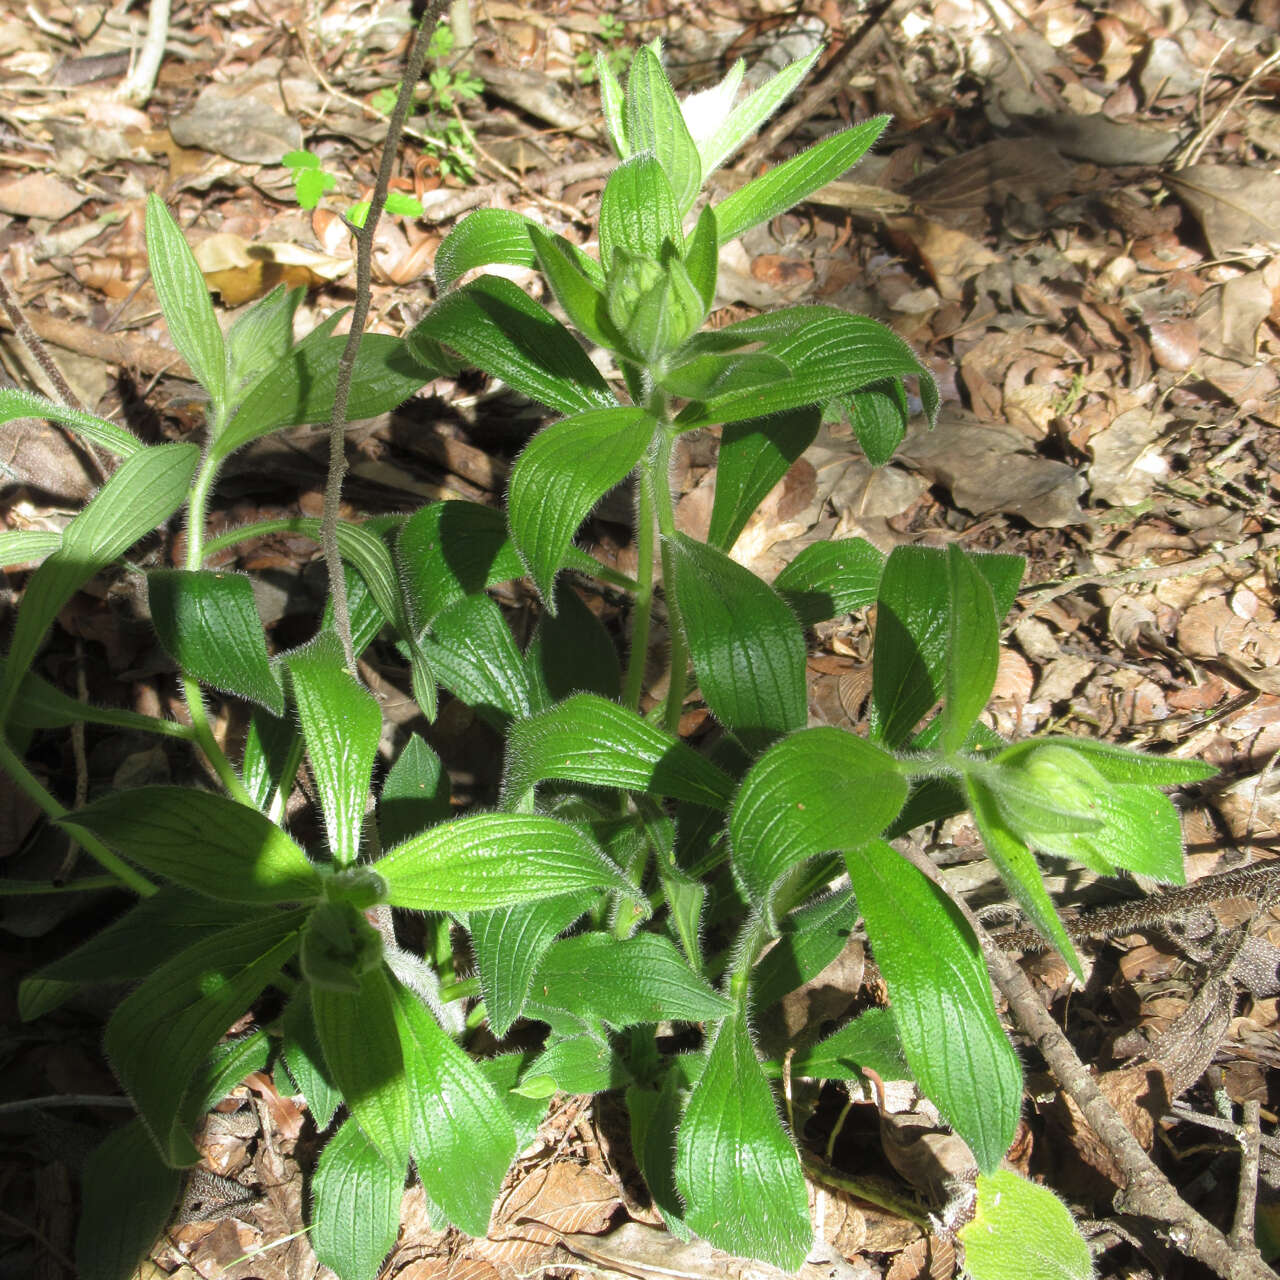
679 643
360 313
646 542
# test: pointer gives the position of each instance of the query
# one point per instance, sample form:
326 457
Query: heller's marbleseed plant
641 899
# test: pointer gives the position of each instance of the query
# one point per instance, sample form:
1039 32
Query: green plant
628 883
616 55
311 182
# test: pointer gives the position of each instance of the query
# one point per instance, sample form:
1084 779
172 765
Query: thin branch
1250 1158
346 366
141 80
1146 1192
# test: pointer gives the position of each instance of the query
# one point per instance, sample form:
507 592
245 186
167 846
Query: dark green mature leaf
655 124
121 1217
830 578
1022 1231
627 981
811 938
711 374
830 354
790 182
571 651
736 1167
655 1116
415 794
159 1035
754 456
355 1205
463 1139
746 645
869 1042
578 289
341 723
208 622
485 237
491 324
184 299
566 469
509 944
304 1060
941 1000
973 648
819 790
574 1064
361 1047
272 751
591 740
202 841
300 388
147 488
475 657
489 860
16 403
638 211
879 418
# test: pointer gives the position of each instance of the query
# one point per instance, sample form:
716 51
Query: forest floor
1074 218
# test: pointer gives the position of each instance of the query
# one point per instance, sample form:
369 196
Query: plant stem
679 645
646 541
27 782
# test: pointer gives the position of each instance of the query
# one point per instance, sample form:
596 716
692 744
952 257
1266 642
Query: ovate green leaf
655 124
828 579
638 211
973 648
16 403
1022 1231
355 1205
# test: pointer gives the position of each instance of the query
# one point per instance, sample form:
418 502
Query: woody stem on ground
360 313
1147 1192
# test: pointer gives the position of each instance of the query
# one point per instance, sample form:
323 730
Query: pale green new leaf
260 337
612 103
355 1205
16 403
489 860
208 622
655 124
624 982
588 739
361 1047
790 182
27 546
1022 1231
341 724
463 1139
159 1036
736 1168
574 1064
638 211
184 299
1123 764
577 288
941 1000
818 791
566 469
702 256
203 842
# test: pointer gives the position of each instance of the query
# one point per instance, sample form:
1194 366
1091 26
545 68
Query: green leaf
26 546
828 579
736 1168
790 182
509 944
184 299
879 416
868 1043
655 1116
208 623
203 842
122 1217
590 740
144 490
476 659
16 403
707 375
159 1035
654 306
38 705
299 389
493 325
355 1205
415 794
819 790
1022 1231
566 469
272 751
339 945
740 123
484 238
702 256
574 1064
577 285
571 650
1122 764
341 723
654 124
612 102
260 337
489 860
830 354
746 645
450 550
625 981
463 1139
754 456
811 938
638 211
973 648
304 1060
941 1000
361 1046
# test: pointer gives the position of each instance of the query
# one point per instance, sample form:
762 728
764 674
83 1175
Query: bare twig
346 366
1250 1156
1146 1190
141 80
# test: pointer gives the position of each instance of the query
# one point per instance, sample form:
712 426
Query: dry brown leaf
1228 317
1127 463
241 270
951 257
240 121
38 195
1238 206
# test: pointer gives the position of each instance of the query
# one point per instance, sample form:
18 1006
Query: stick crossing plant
628 884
